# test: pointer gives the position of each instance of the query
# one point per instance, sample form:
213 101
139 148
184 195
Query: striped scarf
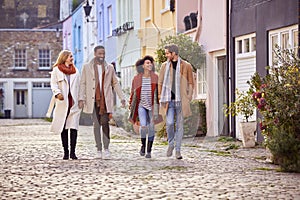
167 84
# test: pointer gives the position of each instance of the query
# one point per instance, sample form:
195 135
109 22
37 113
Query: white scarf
167 84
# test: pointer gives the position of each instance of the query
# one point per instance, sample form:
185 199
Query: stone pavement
31 167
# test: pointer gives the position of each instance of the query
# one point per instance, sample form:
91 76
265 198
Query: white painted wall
129 51
213 39
9 87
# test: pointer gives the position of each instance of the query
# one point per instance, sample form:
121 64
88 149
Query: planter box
248 132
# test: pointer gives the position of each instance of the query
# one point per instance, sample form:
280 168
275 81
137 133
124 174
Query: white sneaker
99 155
106 154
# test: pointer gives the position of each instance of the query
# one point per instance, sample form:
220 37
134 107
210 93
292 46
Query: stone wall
32 41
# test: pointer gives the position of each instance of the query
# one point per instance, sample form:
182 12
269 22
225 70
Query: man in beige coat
96 96
175 90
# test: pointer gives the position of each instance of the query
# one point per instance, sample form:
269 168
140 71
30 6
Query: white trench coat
59 84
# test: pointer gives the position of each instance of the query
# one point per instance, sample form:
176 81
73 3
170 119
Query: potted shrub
244 105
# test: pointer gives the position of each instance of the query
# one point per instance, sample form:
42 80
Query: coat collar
91 64
61 76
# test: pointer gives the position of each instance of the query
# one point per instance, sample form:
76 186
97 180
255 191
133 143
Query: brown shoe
170 151
178 155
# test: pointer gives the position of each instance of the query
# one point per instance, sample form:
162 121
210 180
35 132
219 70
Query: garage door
245 68
41 95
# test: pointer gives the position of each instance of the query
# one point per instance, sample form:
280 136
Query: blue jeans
146 123
174 134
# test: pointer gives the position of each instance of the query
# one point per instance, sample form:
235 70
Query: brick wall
32 41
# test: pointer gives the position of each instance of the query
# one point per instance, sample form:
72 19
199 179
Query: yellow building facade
157 22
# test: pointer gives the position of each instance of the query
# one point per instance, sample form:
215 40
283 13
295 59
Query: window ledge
165 10
20 69
44 69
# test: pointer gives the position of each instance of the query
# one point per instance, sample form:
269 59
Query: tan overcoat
60 84
88 89
186 86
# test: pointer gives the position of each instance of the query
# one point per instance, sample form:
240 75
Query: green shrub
277 98
285 148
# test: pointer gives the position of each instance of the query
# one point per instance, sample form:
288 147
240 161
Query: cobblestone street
32 168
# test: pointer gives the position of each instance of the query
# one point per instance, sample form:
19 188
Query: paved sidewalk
31 167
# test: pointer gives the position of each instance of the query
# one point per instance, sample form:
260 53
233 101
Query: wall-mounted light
87 10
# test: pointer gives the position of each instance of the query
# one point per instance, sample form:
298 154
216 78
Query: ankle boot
64 139
73 136
143 147
149 149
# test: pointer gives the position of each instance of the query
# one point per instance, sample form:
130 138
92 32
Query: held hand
110 116
80 104
60 96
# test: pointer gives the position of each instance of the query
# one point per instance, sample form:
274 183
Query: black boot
73 135
149 148
143 147
64 139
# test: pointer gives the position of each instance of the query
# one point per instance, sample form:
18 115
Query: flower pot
248 131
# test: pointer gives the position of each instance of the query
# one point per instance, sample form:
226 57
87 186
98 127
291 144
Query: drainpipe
228 63
298 27
157 29
154 24
199 28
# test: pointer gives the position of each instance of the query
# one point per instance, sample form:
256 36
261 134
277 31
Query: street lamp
87 10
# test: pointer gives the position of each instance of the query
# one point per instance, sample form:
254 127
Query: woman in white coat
65 80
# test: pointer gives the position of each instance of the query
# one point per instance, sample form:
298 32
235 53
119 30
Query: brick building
28 14
27 56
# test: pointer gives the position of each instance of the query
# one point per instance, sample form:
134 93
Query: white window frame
41 85
202 82
278 33
165 6
242 53
44 59
21 59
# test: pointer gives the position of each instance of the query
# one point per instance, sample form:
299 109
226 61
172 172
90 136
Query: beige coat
59 84
186 87
88 88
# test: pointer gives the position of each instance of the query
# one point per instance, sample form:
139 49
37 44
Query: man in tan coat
175 90
96 96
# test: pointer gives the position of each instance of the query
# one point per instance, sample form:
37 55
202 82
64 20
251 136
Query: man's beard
99 60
